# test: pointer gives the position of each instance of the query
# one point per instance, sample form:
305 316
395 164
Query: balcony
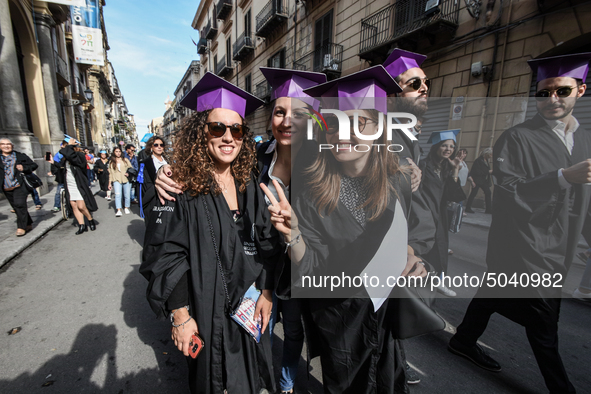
61 70
263 91
224 67
211 30
224 8
202 46
271 16
243 47
78 89
327 59
410 24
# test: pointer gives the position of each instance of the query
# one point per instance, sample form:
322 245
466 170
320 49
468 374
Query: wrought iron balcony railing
272 15
202 46
243 47
224 7
327 59
224 67
211 30
405 17
61 69
263 90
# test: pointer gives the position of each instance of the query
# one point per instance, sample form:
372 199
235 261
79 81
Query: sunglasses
416 83
563 91
333 123
158 145
218 129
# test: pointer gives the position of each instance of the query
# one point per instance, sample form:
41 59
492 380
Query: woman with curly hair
204 250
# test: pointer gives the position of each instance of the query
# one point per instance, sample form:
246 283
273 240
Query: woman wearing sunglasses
156 159
203 251
352 211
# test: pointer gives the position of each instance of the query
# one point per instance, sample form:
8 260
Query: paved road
87 328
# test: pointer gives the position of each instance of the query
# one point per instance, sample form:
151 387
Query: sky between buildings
151 49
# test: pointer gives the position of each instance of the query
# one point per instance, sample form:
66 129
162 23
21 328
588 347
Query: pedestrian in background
101 167
439 186
118 178
15 165
130 155
59 173
481 179
145 153
78 191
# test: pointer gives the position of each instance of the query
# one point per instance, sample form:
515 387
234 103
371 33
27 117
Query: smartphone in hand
195 345
47 156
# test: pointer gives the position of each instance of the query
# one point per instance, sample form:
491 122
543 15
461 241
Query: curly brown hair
192 165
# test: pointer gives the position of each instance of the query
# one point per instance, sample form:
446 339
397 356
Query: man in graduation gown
404 67
540 207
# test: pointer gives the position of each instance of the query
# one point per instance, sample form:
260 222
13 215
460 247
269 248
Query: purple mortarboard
438 136
574 66
291 83
366 89
400 60
214 92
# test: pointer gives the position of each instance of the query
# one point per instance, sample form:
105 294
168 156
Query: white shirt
568 139
463 173
158 163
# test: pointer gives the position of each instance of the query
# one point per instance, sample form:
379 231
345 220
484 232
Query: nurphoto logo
333 121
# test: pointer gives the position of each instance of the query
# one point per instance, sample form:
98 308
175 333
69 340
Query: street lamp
70 103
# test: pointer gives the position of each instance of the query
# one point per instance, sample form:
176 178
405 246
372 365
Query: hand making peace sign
281 214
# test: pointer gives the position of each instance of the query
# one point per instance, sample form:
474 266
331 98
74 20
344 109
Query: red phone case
195 346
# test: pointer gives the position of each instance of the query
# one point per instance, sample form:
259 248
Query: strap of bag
217 255
140 179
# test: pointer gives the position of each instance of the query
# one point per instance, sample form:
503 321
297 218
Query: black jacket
78 163
480 172
28 167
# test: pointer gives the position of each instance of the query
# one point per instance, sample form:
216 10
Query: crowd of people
231 221
230 213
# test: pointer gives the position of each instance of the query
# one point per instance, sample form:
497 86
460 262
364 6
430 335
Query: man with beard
540 208
404 67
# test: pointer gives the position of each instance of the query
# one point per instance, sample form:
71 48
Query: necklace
222 185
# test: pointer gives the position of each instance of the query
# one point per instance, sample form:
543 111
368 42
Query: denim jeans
118 188
293 332
133 196
57 200
36 198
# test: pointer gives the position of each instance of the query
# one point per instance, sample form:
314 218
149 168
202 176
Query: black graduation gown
149 196
78 165
410 148
536 224
103 176
358 351
178 240
437 193
480 172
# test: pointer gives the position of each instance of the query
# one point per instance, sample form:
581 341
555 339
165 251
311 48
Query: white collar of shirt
567 137
158 163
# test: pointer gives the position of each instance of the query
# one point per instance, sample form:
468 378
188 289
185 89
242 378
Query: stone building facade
44 93
477 50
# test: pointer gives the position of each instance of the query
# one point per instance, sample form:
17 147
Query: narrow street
87 328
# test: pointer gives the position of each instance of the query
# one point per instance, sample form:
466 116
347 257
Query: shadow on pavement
156 334
90 366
